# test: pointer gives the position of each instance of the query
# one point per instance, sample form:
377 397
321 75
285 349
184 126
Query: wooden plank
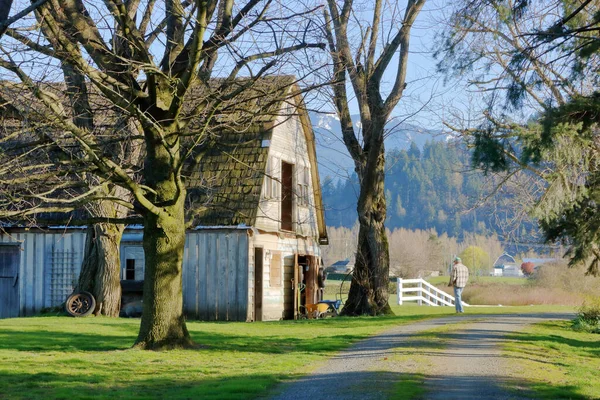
275 270
194 264
202 276
232 273
243 285
222 267
39 272
295 284
28 279
212 280
48 240
185 274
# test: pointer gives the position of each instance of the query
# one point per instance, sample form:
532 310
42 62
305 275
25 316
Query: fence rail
426 293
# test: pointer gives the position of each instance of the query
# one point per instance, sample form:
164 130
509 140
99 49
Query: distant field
485 290
506 280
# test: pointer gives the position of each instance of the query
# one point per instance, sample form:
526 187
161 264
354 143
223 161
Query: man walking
458 278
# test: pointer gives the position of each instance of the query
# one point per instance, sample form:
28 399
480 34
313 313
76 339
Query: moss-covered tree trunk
101 268
163 323
369 289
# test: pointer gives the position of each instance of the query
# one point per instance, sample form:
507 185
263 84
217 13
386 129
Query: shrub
588 316
528 268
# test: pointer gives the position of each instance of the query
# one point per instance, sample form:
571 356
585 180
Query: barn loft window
270 184
302 187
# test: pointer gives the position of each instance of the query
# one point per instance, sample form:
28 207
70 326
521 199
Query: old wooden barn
254 251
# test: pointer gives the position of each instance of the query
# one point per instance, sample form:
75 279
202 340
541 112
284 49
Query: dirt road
453 361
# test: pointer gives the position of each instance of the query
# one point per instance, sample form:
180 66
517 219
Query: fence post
399 291
420 302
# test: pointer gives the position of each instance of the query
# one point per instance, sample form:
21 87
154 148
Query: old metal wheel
80 304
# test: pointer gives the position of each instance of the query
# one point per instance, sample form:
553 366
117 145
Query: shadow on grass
590 347
346 385
98 334
43 340
89 386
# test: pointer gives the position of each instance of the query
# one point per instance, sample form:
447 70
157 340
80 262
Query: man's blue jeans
458 298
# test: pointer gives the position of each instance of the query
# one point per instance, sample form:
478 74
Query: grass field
64 358
555 362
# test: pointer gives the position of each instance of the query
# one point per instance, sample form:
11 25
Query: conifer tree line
435 188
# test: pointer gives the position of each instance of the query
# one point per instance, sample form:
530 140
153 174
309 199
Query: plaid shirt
459 275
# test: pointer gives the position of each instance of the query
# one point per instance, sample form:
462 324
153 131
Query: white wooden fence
425 293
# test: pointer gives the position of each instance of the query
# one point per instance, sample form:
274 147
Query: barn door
287 196
9 281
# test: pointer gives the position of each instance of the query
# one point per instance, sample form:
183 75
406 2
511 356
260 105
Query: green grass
65 358
555 362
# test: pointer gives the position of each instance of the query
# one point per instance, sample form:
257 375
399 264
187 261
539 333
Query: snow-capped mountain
334 160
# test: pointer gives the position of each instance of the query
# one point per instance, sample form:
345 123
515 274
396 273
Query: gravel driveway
464 364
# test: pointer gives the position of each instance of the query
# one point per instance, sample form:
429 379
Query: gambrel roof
225 188
225 181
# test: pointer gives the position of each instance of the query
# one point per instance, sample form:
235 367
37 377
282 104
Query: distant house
505 265
341 266
256 237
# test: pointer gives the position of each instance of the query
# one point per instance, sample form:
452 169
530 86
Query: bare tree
174 46
364 62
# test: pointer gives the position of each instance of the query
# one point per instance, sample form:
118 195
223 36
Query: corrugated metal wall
41 253
215 275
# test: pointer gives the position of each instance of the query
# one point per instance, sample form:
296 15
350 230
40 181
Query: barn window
302 187
271 185
130 269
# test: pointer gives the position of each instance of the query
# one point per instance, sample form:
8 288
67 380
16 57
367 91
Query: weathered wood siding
43 252
216 275
278 296
288 143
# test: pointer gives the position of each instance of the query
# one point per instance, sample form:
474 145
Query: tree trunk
101 268
163 323
369 289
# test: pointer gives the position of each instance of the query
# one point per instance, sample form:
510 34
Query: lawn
65 358
555 362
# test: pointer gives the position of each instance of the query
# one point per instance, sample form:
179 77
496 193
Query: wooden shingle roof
224 188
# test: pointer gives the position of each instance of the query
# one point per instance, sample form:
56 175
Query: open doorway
287 195
304 283
258 283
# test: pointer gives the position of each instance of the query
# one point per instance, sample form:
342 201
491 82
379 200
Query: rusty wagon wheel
80 304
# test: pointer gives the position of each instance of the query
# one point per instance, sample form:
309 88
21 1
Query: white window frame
303 187
271 183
